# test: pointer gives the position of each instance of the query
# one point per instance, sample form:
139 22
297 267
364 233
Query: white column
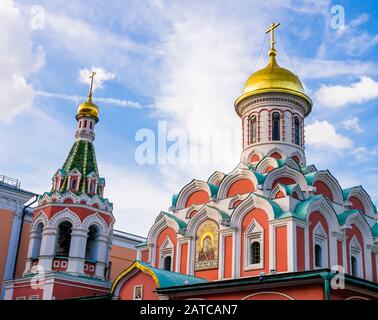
47 251
102 255
34 241
77 251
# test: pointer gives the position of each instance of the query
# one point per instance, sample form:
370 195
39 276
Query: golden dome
88 109
274 78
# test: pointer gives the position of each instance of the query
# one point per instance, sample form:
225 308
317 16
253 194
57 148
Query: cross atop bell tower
270 30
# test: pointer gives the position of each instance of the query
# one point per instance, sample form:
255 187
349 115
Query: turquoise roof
260 177
174 200
172 279
301 209
346 193
181 224
310 178
374 230
276 208
289 188
342 217
213 189
225 216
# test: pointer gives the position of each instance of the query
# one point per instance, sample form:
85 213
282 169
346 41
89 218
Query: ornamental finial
91 86
273 26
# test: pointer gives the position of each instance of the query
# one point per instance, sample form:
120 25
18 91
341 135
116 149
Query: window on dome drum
91 248
167 263
64 239
318 256
255 252
354 267
276 126
253 129
296 131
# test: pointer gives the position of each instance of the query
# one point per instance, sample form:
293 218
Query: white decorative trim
253 233
188 190
233 177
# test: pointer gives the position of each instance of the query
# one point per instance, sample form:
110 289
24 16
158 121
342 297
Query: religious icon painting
207 245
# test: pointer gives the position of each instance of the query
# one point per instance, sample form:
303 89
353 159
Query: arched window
253 246
73 184
354 267
255 252
276 126
318 256
296 131
37 239
167 263
64 239
91 248
253 129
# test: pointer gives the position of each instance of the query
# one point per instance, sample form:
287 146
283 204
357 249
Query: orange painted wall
240 186
127 291
322 188
283 180
167 232
374 266
145 255
227 273
121 258
210 274
314 218
6 219
281 249
340 261
262 218
300 249
276 155
23 249
198 197
184 258
350 233
255 158
357 204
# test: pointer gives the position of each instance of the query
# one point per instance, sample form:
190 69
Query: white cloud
18 60
352 124
79 99
363 153
334 96
323 134
101 76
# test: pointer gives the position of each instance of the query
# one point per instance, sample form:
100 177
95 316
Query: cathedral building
275 227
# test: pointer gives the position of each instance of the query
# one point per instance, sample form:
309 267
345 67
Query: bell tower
272 107
72 228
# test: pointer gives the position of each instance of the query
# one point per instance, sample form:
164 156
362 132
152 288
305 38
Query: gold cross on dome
271 31
91 86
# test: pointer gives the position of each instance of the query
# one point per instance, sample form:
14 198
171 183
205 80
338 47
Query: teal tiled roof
374 230
225 216
310 178
174 200
342 217
172 279
181 224
301 209
213 189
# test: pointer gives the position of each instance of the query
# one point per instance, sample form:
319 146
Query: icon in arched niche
207 245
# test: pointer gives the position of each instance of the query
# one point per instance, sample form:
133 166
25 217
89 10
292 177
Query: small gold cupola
88 108
273 78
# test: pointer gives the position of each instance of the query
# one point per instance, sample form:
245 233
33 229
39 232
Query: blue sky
184 63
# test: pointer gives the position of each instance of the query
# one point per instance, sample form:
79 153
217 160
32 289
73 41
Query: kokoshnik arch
271 229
